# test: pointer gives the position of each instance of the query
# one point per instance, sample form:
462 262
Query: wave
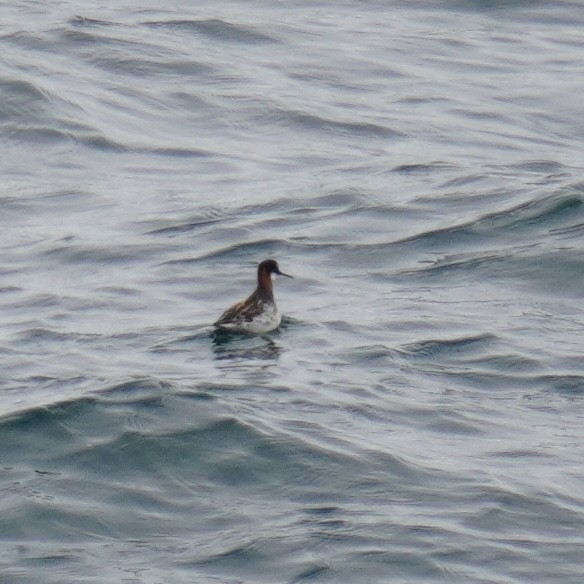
545 212
216 29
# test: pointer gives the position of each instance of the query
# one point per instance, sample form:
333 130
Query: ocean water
418 167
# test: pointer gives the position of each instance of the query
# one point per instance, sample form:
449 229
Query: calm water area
418 167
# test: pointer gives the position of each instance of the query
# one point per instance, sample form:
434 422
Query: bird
257 314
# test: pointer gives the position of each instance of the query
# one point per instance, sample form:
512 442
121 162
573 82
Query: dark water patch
461 376
449 347
453 423
9 289
54 383
43 300
207 217
406 472
489 262
33 514
519 454
100 142
311 573
45 430
567 385
509 362
546 212
424 169
245 249
66 305
110 39
503 511
142 391
40 135
518 244
113 290
489 5
221 450
338 81
468 181
344 326
201 393
240 556
545 167
215 389
212 216
372 353
73 252
105 413
23 102
216 29
180 152
140 67
479 115
321 511
41 336
97 141
558 272
403 561
359 219
319 124
75 37
51 560
338 199
192 70
86 22
569 232
193 101
518 10
12 203
516 374
115 53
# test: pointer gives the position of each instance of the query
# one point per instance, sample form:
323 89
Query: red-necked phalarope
258 314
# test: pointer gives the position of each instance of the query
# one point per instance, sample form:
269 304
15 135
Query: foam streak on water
417 167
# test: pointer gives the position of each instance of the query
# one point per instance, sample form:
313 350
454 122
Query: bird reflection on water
238 347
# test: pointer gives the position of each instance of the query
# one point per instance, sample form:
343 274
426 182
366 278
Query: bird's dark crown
269 267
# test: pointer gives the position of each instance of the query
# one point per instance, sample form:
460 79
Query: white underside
268 320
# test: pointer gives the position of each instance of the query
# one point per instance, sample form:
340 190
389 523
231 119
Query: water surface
417 167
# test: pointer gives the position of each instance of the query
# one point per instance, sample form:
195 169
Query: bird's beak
283 274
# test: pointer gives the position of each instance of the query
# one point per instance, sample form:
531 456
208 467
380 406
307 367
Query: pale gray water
417 167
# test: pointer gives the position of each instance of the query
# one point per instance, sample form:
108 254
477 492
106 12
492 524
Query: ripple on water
216 29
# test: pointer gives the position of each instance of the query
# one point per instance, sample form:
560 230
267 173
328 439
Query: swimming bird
257 314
